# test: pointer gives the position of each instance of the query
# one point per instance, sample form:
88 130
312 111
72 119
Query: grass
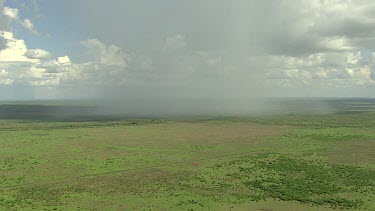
288 179
282 162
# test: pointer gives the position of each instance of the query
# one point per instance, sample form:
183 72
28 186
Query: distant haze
213 56
183 108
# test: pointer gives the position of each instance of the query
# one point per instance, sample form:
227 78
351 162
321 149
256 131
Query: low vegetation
286 178
283 162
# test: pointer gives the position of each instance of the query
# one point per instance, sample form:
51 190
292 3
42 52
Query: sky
211 49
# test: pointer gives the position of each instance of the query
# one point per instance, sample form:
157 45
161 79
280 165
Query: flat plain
285 161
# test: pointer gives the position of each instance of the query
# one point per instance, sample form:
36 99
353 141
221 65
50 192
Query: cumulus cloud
15 49
3 24
105 55
335 69
12 14
23 66
222 48
321 74
4 80
38 54
27 24
64 60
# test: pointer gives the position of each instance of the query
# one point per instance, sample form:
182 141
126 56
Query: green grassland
260 162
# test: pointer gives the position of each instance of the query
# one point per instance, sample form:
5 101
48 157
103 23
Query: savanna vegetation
289 161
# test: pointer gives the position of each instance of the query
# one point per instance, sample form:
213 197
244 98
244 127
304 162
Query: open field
290 161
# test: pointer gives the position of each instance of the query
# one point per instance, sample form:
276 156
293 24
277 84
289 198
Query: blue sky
186 49
53 21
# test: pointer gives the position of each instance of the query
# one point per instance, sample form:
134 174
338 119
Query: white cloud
64 60
36 72
363 73
321 74
306 75
105 54
336 44
3 73
27 24
12 13
29 67
38 54
354 58
4 80
350 72
338 69
326 42
15 49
